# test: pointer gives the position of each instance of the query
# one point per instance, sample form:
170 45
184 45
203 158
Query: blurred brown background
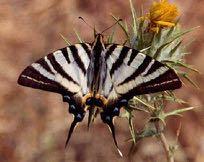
33 123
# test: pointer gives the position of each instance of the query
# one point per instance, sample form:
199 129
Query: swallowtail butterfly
98 77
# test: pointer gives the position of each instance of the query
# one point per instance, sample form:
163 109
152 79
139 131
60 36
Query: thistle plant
159 35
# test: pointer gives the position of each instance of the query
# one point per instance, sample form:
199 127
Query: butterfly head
98 42
98 37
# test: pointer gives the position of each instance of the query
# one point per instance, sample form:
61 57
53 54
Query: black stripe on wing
87 49
166 81
77 58
65 54
59 68
44 64
154 67
132 56
138 71
119 61
30 77
110 51
143 74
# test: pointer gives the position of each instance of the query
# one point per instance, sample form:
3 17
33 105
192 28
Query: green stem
164 142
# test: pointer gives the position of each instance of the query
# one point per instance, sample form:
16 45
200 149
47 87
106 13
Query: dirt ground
34 123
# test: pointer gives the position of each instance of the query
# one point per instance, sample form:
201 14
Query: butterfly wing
65 72
131 73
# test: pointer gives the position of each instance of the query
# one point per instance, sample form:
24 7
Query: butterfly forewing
63 71
133 73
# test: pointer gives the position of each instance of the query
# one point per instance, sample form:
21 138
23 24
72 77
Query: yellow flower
162 14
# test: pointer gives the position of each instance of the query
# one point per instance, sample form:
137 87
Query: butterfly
99 78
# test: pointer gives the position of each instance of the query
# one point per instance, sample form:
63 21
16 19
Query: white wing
132 73
63 71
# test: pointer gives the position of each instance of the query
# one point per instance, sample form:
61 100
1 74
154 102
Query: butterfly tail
71 129
78 113
112 129
107 118
78 117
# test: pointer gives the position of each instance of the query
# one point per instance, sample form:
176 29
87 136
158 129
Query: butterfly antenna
111 25
87 24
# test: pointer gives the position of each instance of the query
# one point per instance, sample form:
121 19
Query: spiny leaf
185 75
170 32
185 32
165 38
65 39
131 128
181 64
187 66
145 49
171 97
110 38
171 54
78 36
129 116
187 44
141 43
180 34
123 27
151 108
178 111
134 18
133 41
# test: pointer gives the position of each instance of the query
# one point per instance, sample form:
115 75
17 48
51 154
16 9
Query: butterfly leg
78 113
108 115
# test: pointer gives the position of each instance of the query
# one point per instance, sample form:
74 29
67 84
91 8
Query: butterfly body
97 68
99 78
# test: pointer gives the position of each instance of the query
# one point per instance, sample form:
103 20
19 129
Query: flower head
162 14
